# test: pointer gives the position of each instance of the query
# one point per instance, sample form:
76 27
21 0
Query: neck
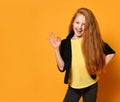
76 37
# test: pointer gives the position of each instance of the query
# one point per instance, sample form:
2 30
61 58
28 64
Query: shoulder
65 44
107 49
65 41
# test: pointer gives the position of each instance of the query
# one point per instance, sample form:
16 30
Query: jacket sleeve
107 49
65 51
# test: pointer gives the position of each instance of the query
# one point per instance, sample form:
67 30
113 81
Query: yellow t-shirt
79 76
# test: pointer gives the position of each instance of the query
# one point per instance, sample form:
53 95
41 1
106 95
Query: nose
80 26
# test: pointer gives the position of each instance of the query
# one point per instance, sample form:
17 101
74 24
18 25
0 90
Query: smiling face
78 25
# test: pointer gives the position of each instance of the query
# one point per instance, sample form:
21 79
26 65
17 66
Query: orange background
28 71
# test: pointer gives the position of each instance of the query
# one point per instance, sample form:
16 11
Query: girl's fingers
59 39
55 41
51 37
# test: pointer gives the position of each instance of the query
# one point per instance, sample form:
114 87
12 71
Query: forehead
80 17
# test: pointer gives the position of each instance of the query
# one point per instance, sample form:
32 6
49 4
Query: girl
83 55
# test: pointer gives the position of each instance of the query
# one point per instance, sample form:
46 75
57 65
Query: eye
83 24
77 22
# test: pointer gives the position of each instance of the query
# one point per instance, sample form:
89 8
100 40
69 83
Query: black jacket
66 55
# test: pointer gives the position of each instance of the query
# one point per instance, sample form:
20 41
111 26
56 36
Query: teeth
79 30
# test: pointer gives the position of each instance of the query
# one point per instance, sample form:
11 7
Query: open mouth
79 31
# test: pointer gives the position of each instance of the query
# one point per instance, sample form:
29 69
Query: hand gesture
55 41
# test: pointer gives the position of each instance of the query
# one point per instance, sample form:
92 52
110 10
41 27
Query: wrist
57 50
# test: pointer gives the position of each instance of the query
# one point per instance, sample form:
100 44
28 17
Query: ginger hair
92 44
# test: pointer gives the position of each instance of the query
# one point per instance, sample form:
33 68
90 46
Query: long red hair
92 45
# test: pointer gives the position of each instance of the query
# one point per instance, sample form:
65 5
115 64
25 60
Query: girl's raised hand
55 41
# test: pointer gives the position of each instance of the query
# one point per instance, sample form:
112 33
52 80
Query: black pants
89 94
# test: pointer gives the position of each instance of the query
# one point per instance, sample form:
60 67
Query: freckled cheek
76 26
83 27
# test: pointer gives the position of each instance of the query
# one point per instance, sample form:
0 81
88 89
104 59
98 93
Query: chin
79 35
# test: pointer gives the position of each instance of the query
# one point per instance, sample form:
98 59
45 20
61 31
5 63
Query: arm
56 42
59 60
109 52
108 58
